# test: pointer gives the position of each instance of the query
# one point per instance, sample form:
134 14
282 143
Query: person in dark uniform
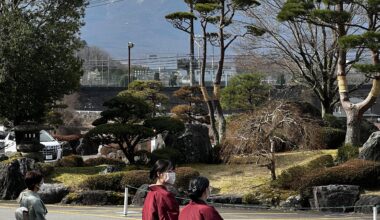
198 209
160 204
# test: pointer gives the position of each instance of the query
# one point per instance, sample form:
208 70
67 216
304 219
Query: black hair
32 178
161 166
197 187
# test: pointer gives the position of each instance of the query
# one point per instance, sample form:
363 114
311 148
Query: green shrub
321 162
353 172
333 137
183 177
103 160
289 178
347 152
135 178
45 168
265 195
334 122
71 161
167 153
103 182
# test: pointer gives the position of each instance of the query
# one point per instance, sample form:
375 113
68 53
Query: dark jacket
160 204
199 210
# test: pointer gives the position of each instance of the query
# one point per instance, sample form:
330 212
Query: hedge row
290 178
135 178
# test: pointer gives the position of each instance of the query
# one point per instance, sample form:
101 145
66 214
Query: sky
112 26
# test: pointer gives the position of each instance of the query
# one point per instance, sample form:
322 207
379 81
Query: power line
102 3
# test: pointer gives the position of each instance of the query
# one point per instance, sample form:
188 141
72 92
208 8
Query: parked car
51 151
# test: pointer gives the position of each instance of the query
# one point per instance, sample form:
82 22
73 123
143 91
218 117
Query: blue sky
142 22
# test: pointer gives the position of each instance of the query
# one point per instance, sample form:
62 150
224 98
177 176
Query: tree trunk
326 108
204 91
221 120
353 126
272 159
129 152
191 65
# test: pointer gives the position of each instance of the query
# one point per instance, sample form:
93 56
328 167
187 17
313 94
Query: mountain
142 22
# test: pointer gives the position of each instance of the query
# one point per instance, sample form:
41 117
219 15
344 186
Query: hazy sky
142 22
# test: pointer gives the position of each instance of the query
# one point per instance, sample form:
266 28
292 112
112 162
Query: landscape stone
343 197
371 148
53 193
12 177
366 202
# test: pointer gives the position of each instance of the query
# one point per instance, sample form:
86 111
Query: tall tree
338 16
184 21
245 92
38 41
227 14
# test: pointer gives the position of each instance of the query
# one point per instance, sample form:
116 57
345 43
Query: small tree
195 109
245 92
149 90
127 121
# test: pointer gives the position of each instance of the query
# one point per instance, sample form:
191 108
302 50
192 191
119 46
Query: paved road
114 212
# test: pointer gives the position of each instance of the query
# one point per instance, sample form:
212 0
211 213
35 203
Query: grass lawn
243 178
225 178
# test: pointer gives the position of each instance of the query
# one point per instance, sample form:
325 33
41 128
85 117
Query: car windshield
46 137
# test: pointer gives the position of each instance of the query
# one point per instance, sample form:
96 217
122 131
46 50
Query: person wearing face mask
31 204
198 209
160 204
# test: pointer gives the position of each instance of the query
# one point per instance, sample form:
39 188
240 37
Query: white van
51 151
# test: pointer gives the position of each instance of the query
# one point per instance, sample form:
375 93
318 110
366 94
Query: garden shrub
333 137
347 152
289 178
46 169
265 195
183 177
103 182
135 178
321 162
334 122
167 153
353 172
103 160
71 161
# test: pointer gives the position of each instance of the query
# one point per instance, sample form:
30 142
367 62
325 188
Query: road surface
66 212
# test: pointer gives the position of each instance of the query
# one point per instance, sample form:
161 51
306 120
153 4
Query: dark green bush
334 122
183 177
321 162
347 152
135 178
333 137
289 178
45 168
167 153
94 198
71 161
103 182
353 172
103 160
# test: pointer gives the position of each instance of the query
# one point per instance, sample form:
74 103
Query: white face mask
170 177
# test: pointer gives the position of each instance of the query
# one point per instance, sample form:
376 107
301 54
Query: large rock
335 198
12 177
194 144
139 198
292 202
366 202
371 148
53 193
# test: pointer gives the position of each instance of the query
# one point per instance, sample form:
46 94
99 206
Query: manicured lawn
225 178
244 178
